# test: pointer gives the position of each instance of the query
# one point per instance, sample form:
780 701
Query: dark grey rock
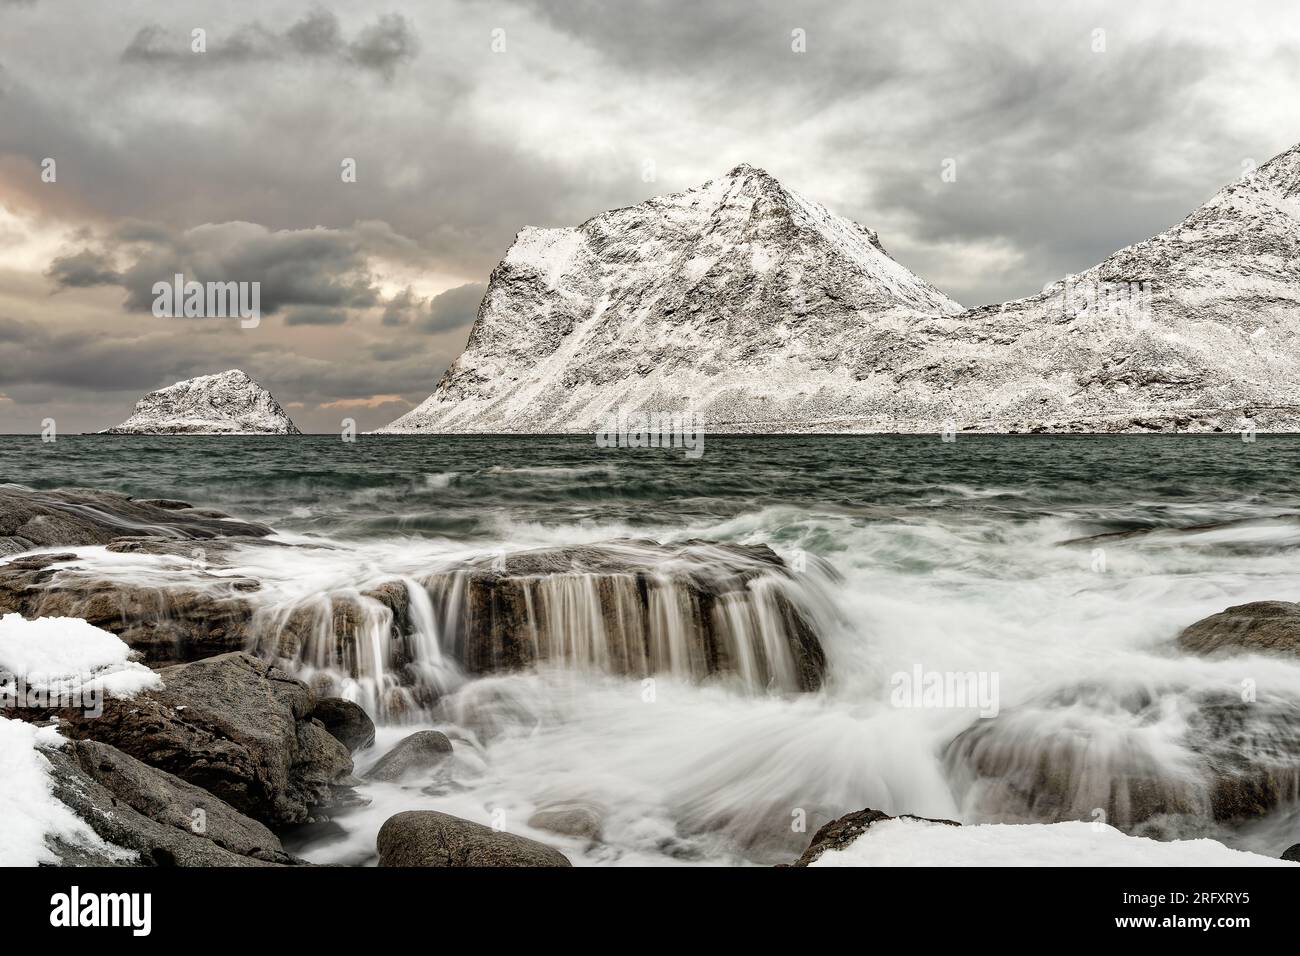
579 820
346 721
161 818
429 838
237 727
1263 627
840 833
503 623
421 751
1245 761
83 516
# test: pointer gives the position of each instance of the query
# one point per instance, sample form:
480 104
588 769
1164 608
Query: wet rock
1263 627
428 838
1157 532
838 834
619 606
421 751
1250 753
165 625
237 727
1096 753
1292 853
156 815
347 722
569 819
83 516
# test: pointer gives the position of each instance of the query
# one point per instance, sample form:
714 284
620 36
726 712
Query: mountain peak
744 170
1283 171
726 297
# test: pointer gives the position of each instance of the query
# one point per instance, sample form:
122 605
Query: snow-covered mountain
1195 329
739 300
761 311
227 403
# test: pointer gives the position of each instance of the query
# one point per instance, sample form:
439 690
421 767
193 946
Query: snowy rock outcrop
758 310
738 300
227 403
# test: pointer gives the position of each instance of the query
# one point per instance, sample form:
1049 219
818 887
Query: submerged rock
237 727
568 819
421 751
1265 627
32 518
1104 754
838 834
637 608
429 838
161 818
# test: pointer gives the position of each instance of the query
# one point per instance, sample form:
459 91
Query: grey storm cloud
454 309
381 46
315 316
325 270
226 165
83 270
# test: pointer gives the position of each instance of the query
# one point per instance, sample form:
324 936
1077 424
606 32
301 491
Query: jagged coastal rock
697 610
227 403
262 745
760 311
237 727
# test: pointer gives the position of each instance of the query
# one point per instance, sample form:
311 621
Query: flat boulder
31 518
1261 627
421 751
428 838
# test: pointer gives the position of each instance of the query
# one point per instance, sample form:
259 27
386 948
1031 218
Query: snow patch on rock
910 842
63 656
30 815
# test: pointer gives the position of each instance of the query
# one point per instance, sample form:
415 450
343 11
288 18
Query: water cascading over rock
1146 759
378 646
693 611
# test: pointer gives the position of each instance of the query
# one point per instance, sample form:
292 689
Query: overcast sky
1077 128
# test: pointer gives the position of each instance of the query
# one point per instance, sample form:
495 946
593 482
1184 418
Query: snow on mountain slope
227 403
760 311
1194 329
739 300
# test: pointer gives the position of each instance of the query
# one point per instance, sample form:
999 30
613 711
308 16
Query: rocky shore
244 740
233 751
